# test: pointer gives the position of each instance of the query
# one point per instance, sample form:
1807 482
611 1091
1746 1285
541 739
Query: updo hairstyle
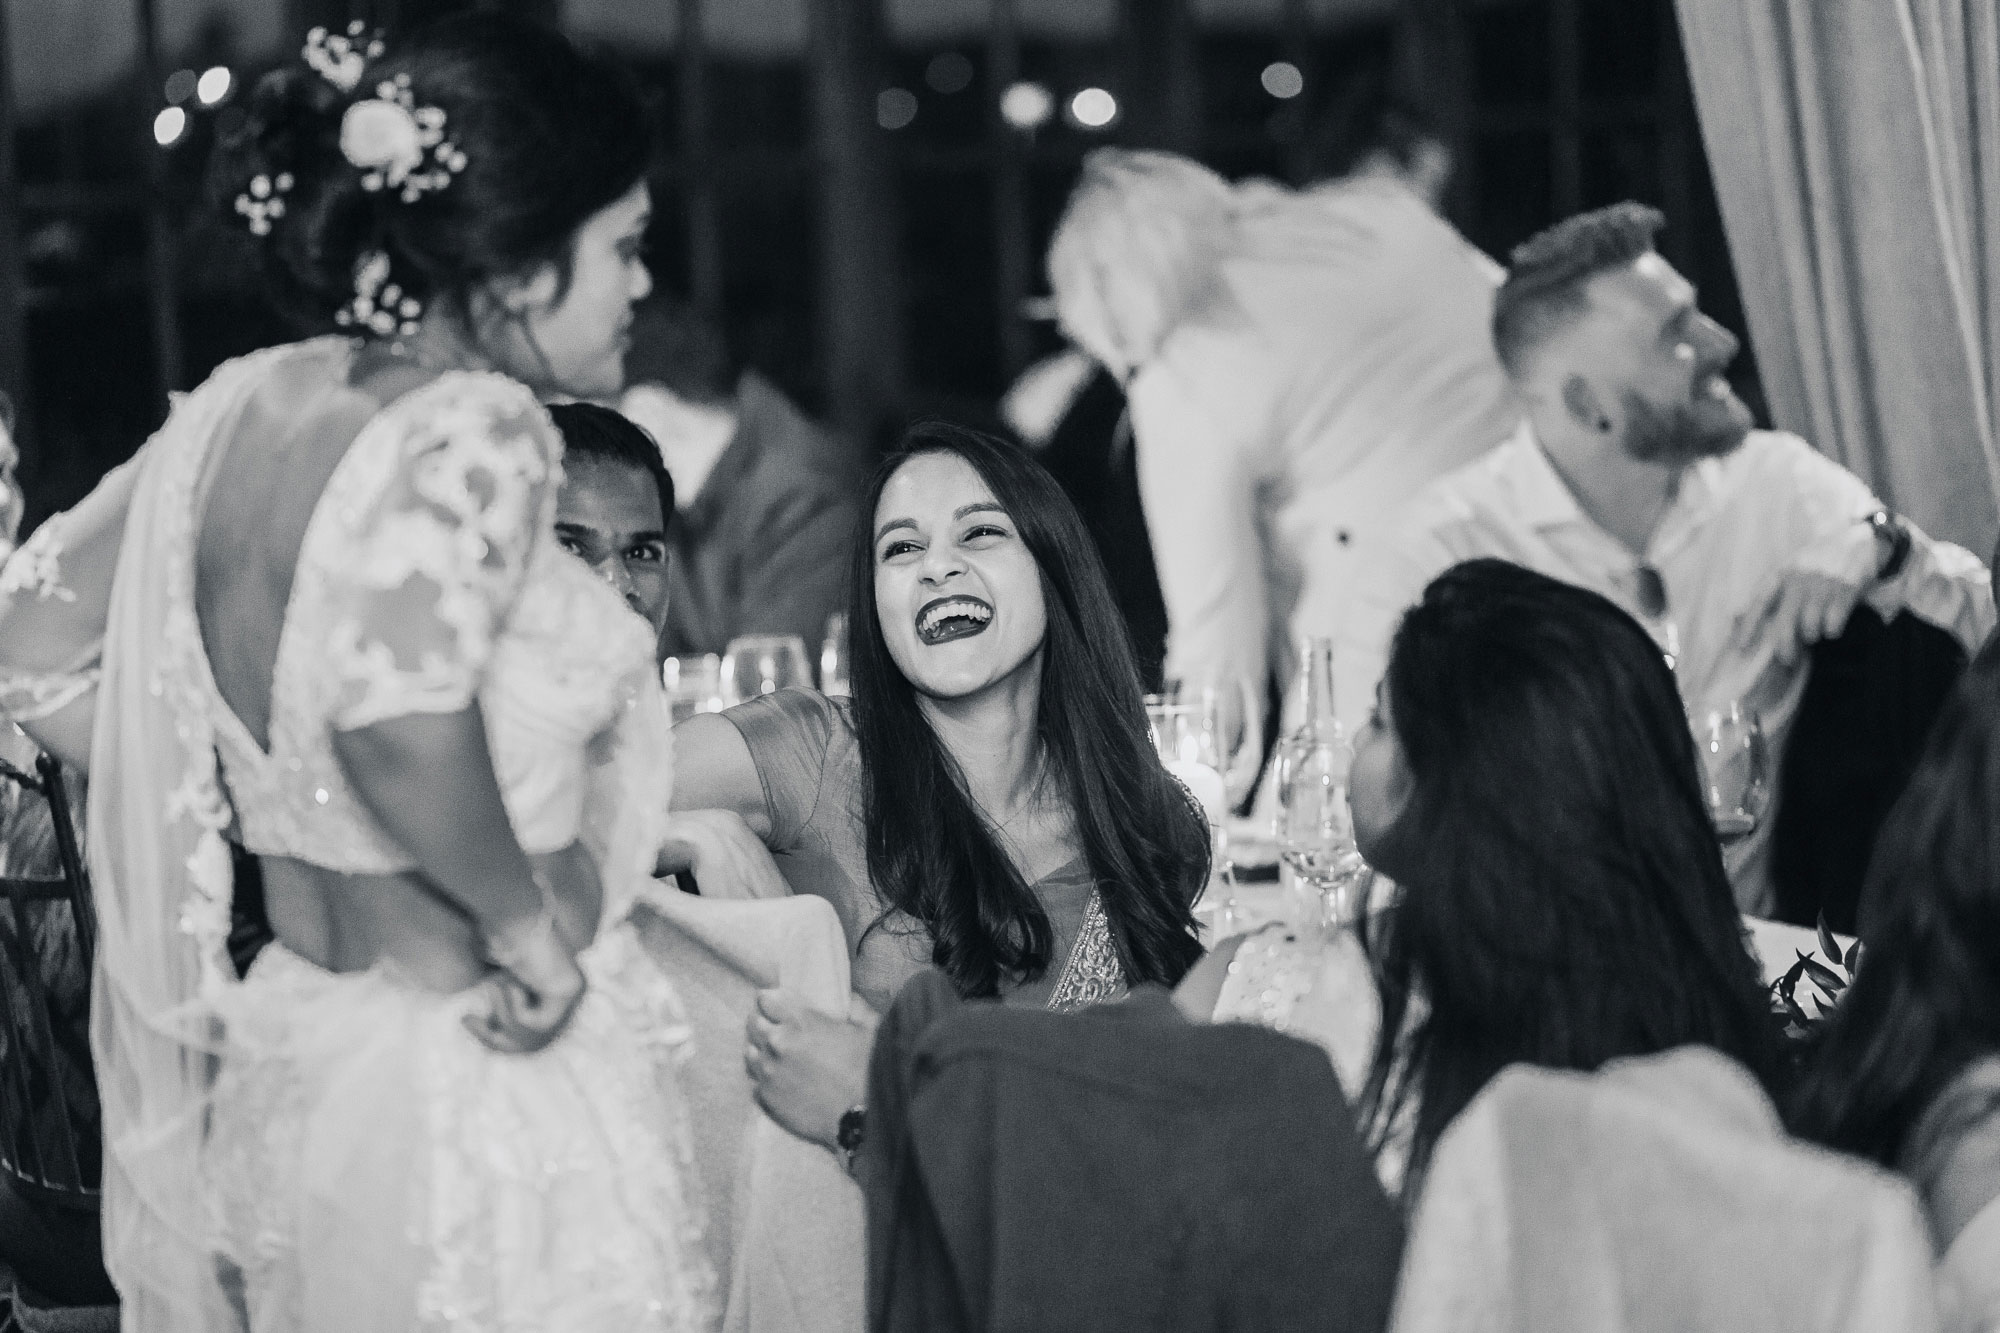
550 135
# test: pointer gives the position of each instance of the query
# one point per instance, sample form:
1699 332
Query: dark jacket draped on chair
1115 1169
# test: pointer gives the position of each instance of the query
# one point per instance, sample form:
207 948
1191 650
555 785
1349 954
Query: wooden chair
49 1119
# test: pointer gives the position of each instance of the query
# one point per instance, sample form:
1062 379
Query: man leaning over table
1636 474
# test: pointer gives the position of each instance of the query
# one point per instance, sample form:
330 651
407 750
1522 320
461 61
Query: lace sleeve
421 579
54 591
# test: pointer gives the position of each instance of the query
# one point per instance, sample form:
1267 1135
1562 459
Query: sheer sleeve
461 480
54 593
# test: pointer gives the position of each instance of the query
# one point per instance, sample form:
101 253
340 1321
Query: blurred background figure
1366 134
1071 411
1297 363
766 498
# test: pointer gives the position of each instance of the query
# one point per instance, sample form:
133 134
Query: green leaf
1826 944
1853 958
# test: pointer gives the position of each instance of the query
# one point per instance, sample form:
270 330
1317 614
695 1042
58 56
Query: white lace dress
367 1163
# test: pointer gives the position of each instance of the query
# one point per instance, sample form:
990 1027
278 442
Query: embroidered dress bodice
428 577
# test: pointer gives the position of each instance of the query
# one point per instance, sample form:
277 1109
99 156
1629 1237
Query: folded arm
1839 564
420 587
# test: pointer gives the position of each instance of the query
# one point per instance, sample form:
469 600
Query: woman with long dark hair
325 614
1908 1069
990 802
1528 780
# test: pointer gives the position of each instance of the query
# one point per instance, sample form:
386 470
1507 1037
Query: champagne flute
758 664
1735 769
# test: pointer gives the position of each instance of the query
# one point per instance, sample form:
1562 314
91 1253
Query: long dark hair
932 854
550 135
1926 1002
1562 897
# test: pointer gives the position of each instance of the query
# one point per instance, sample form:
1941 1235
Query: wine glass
1188 749
1316 832
756 664
693 685
1226 733
1735 769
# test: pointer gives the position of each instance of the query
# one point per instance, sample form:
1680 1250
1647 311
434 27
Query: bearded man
1637 474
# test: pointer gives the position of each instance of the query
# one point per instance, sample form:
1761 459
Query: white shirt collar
1544 500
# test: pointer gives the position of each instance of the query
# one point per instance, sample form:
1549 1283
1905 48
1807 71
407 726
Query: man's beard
1675 436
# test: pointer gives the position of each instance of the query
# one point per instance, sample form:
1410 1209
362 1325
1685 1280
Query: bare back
263 487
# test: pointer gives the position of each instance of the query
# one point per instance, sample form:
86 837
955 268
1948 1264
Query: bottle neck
1316 671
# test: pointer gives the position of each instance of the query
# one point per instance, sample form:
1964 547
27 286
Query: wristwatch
1892 535
853 1129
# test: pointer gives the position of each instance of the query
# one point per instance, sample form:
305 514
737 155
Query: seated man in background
616 505
1637 475
766 497
615 512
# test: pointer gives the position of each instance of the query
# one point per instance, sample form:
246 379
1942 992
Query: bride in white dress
323 614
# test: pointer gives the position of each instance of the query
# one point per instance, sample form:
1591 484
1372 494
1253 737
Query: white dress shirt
1349 363
1734 526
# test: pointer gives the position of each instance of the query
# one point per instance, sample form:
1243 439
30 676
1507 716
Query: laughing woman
989 803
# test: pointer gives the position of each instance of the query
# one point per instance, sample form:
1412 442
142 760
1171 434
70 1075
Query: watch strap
1893 535
851 1132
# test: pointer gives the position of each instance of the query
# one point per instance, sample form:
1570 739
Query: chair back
50 1146
1868 707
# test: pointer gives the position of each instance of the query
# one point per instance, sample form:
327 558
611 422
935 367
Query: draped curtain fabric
1855 146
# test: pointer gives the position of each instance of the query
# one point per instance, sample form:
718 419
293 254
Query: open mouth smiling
949 618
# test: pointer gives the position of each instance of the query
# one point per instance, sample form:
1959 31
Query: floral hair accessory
397 144
264 202
342 58
379 306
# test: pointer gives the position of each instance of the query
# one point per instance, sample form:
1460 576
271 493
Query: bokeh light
214 85
180 85
949 72
1027 105
169 126
1093 108
895 108
1281 79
